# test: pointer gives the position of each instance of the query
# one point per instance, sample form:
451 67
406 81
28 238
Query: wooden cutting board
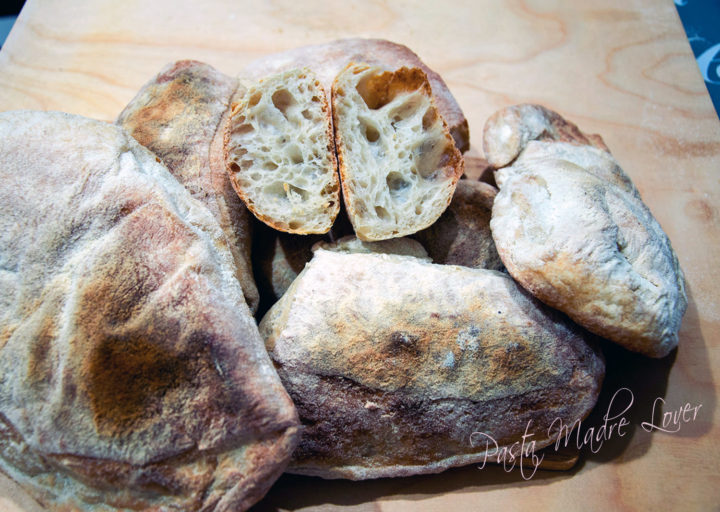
621 69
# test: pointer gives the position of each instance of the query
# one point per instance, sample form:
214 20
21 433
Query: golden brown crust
393 363
178 116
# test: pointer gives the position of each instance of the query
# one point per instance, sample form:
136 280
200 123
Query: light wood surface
618 68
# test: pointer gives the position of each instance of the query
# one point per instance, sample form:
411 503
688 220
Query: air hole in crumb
295 154
306 114
276 189
282 99
254 99
406 109
296 192
246 164
418 210
294 224
234 167
242 129
429 118
396 183
371 133
382 213
269 165
315 99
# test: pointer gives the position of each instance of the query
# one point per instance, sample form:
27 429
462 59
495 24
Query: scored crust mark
508 131
398 163
280 153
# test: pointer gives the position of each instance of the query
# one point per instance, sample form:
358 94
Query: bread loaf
398 163
132 375
328 59
394 363
179 115
280 153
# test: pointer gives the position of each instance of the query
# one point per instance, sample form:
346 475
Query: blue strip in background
701 19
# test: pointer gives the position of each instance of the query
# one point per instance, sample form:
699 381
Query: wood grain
622 69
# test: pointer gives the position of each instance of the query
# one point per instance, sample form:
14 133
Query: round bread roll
590 249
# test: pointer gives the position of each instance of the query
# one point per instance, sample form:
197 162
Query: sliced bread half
280 153
398 163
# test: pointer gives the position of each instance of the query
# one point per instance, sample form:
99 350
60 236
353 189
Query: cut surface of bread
328 59
398 163
280 153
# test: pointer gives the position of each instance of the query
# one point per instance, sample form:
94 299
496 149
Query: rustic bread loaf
327 60
575 233
398 163
394 363
178 115
132 375
461 236
280 153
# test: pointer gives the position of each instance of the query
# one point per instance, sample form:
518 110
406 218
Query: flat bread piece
280 153
592 250
394 363
132 374
179 115
398 163
462 236
328 59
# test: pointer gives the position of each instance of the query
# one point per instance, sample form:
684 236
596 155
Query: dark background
701 19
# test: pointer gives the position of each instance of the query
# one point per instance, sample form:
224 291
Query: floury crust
394 362
132 374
